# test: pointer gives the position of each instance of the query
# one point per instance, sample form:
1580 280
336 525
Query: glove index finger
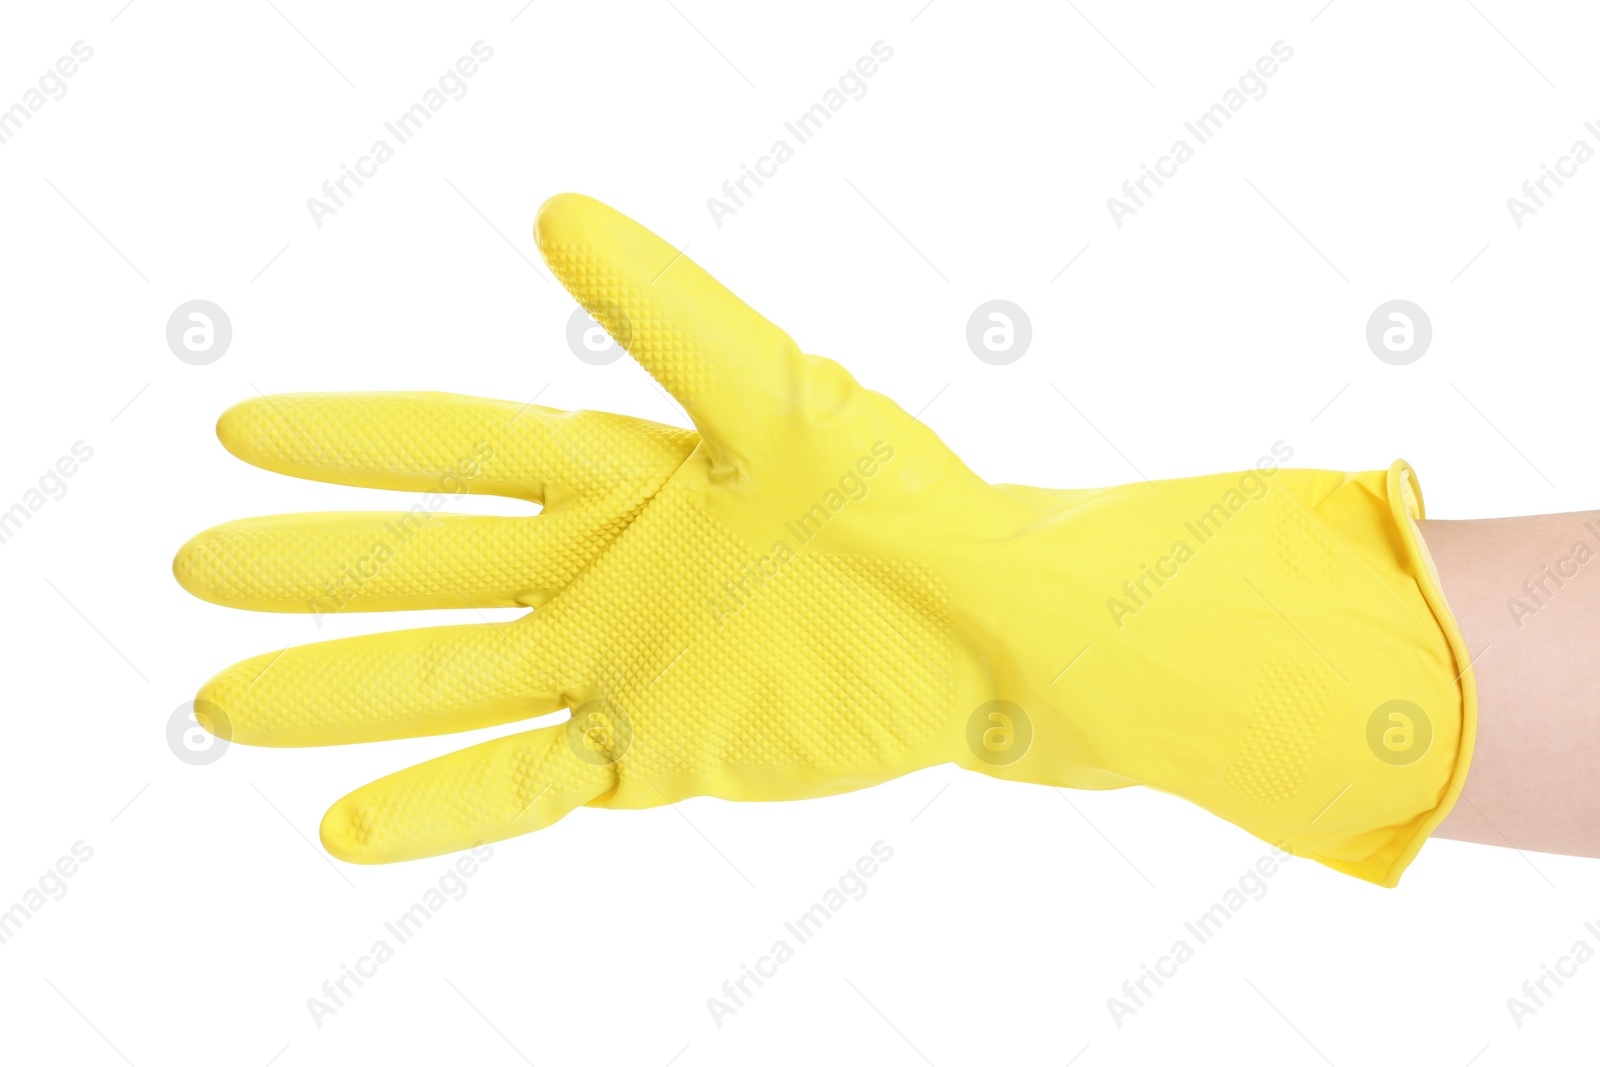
408 441
728 366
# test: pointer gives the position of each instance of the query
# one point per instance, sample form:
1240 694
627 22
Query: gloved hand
821 597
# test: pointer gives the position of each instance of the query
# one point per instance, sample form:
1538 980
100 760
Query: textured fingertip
370 826
234 426
214 704
213 719
560 217
195 565
346 833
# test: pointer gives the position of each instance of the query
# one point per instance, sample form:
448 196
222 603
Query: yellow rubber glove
822 597
592 472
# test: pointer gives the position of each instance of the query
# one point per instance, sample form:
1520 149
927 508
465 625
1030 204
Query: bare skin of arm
1525 592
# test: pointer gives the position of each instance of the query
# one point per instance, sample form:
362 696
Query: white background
1227 314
